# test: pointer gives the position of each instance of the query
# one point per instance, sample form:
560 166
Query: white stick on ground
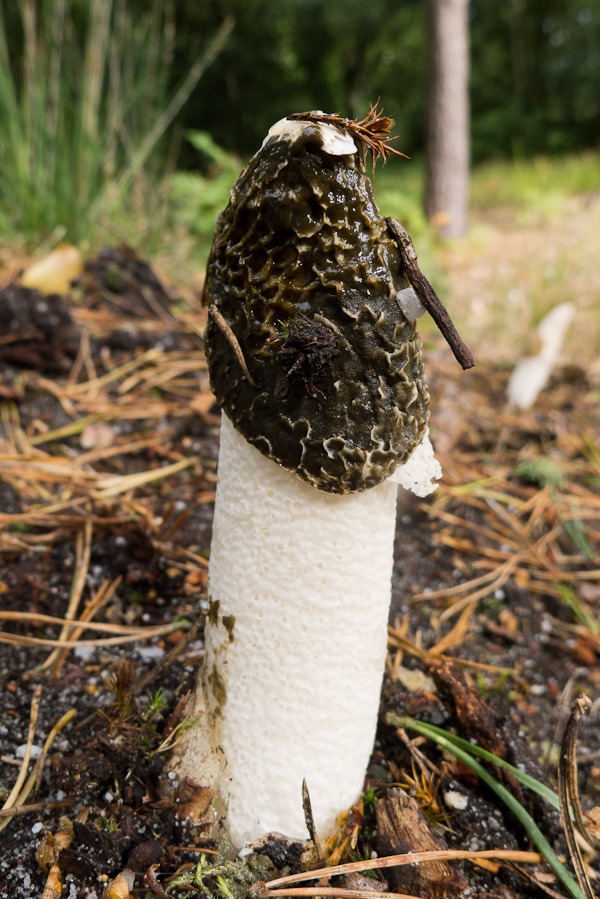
531 373
300 584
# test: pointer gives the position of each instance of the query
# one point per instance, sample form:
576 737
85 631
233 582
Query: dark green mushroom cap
309 353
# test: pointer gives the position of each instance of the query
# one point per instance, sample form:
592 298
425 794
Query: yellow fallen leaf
54 273
120 887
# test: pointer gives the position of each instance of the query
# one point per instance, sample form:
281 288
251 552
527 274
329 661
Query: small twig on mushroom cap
427 294
372 132
231 340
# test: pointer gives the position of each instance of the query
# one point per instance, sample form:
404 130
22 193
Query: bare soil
108 444
515 266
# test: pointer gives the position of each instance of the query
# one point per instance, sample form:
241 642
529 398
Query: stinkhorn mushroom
314 357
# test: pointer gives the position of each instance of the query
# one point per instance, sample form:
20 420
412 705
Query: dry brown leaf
97 435
592 820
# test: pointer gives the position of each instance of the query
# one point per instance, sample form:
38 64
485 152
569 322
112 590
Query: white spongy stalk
297 648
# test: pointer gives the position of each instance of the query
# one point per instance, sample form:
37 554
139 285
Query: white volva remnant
299 587
335 142
420 471
532 372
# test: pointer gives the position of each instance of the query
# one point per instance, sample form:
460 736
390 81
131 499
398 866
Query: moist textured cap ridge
305 277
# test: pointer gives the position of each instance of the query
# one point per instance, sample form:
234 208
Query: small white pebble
454 799
151 653
36 751
109 796
37 827
171 775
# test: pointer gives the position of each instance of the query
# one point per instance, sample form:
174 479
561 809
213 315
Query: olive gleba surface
305 276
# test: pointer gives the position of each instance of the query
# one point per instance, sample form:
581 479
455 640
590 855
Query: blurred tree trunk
447 174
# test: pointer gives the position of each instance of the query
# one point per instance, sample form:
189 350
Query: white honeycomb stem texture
296 648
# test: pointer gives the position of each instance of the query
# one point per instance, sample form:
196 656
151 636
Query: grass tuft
467 752
83 120
536 184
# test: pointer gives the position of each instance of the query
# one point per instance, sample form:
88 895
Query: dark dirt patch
108 470
36 331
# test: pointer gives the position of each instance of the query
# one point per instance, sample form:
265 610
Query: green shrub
199 198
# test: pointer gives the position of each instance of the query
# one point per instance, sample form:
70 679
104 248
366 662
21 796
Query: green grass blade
576 531
143 150
571 598
12 158
526 780
56 30
525 819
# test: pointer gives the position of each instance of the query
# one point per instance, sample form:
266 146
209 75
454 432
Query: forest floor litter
108 447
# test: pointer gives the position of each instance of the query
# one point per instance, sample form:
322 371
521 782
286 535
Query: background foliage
90 91
535 82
